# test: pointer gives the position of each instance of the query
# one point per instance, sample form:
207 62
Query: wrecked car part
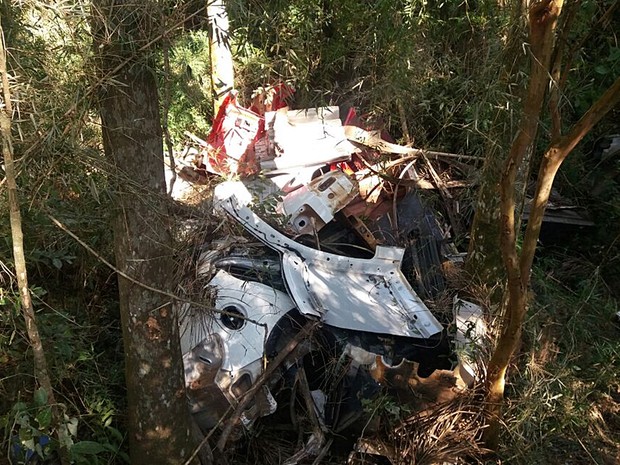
232 137
260 270
207 401
430 353
471 332
416 226
290 350
358 294
227 350
308 137
423 255
289 180
249 312
219 248
606 147
313 206
562 214
337 365
362 231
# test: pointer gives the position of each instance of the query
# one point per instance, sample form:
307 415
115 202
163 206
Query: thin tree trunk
543 18
159 423
222 72
484 259
41 372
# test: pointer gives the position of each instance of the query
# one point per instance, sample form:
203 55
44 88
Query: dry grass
449 433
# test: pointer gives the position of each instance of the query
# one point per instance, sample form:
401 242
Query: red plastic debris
232 137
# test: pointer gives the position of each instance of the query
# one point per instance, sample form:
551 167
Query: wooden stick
447 197
305 332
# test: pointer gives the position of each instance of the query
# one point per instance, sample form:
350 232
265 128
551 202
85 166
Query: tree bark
543 18
159 423
222 72
484 260
41 372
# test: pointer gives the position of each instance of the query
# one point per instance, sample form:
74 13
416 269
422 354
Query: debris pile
342 299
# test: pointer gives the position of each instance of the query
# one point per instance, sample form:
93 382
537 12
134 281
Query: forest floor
564 392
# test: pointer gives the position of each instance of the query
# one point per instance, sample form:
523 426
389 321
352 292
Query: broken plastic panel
352 293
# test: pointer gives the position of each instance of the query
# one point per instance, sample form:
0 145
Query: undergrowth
563 403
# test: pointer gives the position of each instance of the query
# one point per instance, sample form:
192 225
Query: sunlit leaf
40 397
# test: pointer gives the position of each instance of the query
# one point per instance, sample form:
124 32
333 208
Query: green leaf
44 417
116 434
86 448
20 407
40 397
25 435
28 444
601 69
57 263
72 425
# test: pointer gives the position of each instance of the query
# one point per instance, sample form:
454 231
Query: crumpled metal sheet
259 306
352 293
309 137
223 352
314 205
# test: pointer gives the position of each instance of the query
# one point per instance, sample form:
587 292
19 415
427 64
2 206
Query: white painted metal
262 305
314 205
351 293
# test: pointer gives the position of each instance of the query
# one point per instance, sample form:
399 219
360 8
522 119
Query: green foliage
191 104
61 171
30 427
392 59
387 408
560 395
596 64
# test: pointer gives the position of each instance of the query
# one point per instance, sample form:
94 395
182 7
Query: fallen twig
314 445
323 452
445 194
146 286
196 139
206 439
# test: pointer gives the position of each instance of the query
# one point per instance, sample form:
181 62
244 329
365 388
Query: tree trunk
484 259
222 72
41 372
159 423
543 18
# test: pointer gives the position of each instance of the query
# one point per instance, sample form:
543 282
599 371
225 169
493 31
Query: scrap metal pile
330 306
